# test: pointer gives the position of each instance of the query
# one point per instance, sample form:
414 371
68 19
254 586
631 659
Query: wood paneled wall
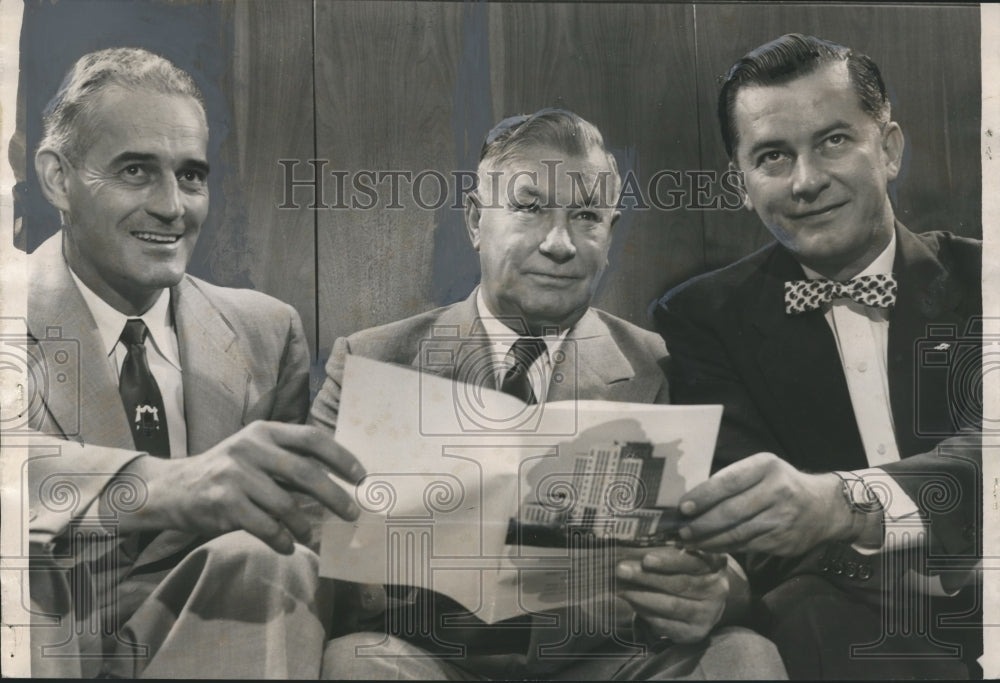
372 86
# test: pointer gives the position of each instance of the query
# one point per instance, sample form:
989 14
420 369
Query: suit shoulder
237 297
628 334
252 311
397 341
712 290
961 255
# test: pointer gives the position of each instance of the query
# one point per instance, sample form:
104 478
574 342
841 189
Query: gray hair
557 128
128 67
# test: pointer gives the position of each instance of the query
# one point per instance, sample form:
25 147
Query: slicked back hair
789 57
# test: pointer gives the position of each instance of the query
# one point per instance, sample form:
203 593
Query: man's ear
892 145
473 212
52 169
740 186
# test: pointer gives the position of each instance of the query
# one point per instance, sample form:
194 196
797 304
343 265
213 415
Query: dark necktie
140 394
525 351
802 296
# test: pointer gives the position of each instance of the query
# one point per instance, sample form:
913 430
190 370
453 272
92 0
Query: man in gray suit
174 426
541 220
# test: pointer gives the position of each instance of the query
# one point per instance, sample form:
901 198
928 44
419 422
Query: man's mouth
817 212
156 238
555 276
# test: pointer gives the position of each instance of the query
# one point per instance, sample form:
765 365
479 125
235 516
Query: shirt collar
882 265
500 335
111 322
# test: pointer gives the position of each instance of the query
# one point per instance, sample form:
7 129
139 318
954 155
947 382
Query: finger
305 474
691 586
728 514
265 527
658 605
279 504
673 559
318 442
744 536
677 631
726 483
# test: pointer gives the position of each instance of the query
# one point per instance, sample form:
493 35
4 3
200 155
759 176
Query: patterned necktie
524 352
871 290
140 394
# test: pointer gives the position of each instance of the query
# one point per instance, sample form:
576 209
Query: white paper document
504 507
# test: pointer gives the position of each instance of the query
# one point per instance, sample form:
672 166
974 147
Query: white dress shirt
503 337
162 354
862 336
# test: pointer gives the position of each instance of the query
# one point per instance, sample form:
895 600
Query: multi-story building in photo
615 487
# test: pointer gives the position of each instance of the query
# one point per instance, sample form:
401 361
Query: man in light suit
541 220
174 402
833 475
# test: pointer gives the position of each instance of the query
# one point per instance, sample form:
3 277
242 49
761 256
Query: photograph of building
610 494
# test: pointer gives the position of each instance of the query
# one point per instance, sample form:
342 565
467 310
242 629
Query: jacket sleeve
64 478
700 372
326 406
292 391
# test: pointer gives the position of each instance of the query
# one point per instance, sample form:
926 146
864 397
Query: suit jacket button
864 572
838 567
852 569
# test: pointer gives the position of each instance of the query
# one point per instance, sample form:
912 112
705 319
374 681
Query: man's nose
166 202
809 178
558 243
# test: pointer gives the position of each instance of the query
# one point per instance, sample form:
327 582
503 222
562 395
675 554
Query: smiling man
834 425
541 220
177 556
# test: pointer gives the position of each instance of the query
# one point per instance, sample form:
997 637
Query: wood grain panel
627 69
270 93
385 84
929 57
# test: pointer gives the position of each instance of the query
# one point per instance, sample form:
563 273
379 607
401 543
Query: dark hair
789 57
556 128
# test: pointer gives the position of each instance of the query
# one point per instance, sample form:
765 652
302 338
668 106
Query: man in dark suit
831 472
541 220
183 522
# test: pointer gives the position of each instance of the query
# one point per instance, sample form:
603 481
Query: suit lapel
80 395
216 375
927 294
593 366
458 346
809 402
216 378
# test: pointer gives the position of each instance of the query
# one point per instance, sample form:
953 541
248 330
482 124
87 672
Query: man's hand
681 594
244 483
763 504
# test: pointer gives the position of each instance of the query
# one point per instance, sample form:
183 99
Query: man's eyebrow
778 142
197 164
527 190
832 127
126 157
144 157
590 200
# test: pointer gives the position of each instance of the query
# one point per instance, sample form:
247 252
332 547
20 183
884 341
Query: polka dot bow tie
802 296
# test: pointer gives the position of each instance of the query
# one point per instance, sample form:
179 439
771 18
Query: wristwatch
858 494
